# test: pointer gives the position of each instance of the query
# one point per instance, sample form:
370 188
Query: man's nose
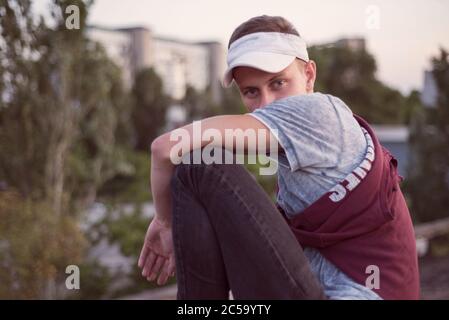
266 98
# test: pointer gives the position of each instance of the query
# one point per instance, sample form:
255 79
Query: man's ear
310 71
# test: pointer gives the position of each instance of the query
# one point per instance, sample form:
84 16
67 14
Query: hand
157 255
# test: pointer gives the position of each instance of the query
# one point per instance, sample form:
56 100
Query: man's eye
251 93
277 84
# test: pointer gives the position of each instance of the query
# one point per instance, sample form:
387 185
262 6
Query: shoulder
316 98
315 104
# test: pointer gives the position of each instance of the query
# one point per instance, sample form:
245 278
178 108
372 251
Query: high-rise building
118 47
178 63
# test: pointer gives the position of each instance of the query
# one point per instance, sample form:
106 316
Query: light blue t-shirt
323 143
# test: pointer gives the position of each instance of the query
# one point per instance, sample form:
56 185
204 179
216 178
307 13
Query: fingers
165 273
155 265
168 270
143 255
154 271
149 263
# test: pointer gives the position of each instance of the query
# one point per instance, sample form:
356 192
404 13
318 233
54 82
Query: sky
402 35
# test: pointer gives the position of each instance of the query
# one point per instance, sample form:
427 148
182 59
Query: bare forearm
162 166
161 173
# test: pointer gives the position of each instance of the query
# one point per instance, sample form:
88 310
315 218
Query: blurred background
82 97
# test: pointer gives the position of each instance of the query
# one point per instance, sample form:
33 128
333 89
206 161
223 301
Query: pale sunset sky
409 32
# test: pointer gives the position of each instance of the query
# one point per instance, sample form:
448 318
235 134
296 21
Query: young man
340 228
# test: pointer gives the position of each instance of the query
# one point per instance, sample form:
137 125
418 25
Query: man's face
259 88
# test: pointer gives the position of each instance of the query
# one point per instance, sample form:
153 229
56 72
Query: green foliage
350 75
131 185
267 182
199 105
232 102
53 113
428 183
36 245
129 231
63 114
95 281
149 107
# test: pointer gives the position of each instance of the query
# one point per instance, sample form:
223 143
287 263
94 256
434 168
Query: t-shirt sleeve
306 127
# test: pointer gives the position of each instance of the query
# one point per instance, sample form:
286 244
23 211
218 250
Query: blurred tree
62 104
196 104
428 182
131 185
200 105
413 106
150 105
35 248
62 116
350 75
231 102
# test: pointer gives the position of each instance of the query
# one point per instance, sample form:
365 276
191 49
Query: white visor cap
267 51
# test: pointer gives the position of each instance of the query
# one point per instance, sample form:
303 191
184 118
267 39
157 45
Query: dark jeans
228 235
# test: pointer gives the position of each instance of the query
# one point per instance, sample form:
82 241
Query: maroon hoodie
364 221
